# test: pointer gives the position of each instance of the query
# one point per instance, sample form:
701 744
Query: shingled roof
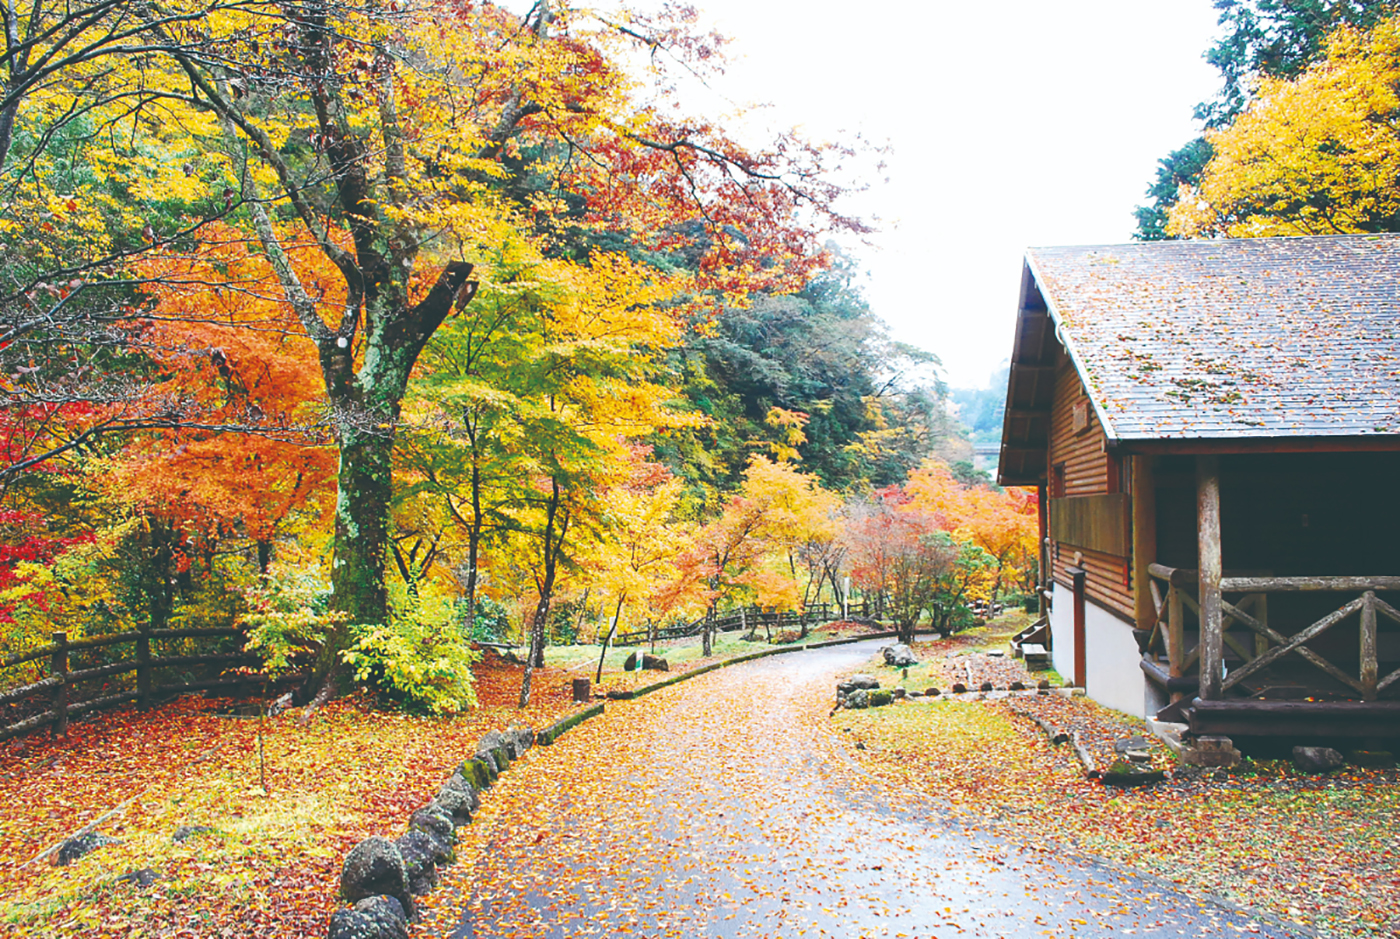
1219 340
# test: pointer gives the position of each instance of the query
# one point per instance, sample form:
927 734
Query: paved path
723 807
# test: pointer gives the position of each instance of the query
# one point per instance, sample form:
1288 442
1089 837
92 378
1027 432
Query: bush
288 617
491 623
416 664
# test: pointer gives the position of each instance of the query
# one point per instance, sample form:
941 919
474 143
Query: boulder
899 656
479 772
866 682
1017 686
857 699
374 868
80 846
459 804
900 693
630 663
932 692
1125 773
492 741
371 918
987 686
141 878
519 739
434 821
655 663
1317 759
879 699
959 687
421 855
185 832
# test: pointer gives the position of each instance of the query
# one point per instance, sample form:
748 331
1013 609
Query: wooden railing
58 684
1168 633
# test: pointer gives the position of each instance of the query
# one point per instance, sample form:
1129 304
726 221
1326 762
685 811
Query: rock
371 918
879 699
900 693
434 821
189 831
373 868
459 804
959 688
1018 686
995 654
492 742
478 773
913 694
655 663
899 656
421 854
858 699
141 878
1131 743
866 682
1043 684
987 686
932 692
1374 759
523 738
631 663
79 846
1317 759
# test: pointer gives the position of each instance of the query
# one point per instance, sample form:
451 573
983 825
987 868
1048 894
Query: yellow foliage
1317 155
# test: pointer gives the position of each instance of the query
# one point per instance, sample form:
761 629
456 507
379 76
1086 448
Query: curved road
724 807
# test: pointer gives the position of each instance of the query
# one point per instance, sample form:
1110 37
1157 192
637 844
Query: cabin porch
1303 639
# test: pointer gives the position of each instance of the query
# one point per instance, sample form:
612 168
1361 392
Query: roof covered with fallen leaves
1248 337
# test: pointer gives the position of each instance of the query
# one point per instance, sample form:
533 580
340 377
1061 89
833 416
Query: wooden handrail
1296 584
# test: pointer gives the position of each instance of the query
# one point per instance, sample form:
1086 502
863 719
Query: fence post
143 667
58 668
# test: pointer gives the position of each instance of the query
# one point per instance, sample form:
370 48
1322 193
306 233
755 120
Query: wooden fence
58 685
751 618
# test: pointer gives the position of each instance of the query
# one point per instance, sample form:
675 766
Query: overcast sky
1012 123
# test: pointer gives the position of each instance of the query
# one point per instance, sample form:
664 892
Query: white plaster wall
1111 659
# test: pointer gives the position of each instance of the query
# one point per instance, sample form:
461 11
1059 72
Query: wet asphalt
729 809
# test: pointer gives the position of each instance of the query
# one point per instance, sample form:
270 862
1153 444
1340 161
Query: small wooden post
1369 669
1176 633
143 667
1144 497
1208 545
1261 613
1081 656
58 668
1042 513
581 689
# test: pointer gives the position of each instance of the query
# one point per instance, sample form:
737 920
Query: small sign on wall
1079 415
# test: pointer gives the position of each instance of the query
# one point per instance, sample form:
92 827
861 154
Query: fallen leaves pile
1323 852
270 866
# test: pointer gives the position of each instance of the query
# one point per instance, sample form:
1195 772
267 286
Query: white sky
1012 123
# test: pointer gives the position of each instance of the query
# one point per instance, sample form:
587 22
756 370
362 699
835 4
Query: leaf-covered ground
726 806
1323 852
271 865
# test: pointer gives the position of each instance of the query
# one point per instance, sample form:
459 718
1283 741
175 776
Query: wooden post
1261 613
1043 553
143 668
1144 495
1369 669
1208 546
1081 657
58 668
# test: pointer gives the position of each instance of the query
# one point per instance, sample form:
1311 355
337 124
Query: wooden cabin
1214 428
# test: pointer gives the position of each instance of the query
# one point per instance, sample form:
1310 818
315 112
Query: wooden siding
1098 522
1088 471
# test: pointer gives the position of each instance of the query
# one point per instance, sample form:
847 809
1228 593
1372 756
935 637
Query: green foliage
1179 168
288 617
490 624
419 659
417 664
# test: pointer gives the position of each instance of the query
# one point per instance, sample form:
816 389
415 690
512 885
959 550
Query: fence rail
1251 611
748 617
61 678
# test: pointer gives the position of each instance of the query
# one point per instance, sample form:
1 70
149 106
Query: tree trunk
556 529
705 644
612 631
